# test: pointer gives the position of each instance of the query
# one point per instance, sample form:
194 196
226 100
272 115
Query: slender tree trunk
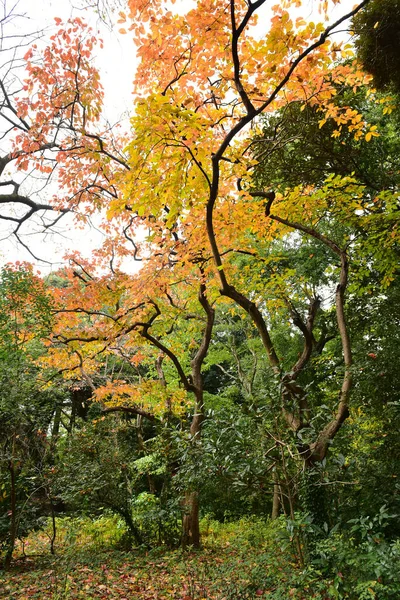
13 508
190 504
142 446
56 426
275 501
54 528
125 514
190 520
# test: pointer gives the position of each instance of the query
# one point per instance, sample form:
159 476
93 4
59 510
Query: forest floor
222 570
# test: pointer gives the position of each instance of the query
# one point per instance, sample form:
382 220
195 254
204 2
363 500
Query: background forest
208 405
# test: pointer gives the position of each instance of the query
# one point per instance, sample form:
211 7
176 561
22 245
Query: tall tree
184 202
148 319
191 162
189 180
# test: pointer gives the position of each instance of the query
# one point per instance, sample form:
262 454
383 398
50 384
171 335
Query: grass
239 561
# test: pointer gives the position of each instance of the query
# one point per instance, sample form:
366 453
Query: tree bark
276 501
13 508
190 520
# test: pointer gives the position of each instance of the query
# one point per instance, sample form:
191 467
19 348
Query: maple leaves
133 319
186 175
204 78
53 127
61 96
191 138
244 76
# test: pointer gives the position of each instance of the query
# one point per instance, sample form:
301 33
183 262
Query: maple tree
142 320
191 162
190 158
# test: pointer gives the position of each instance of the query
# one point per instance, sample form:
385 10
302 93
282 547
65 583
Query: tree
297 137
60 154
193 129
189 181
134 318
26 408
377 42
204 82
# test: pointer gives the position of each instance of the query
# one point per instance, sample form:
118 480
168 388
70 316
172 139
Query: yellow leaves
169 158
372 132
388 103
149 395
300 22
387 110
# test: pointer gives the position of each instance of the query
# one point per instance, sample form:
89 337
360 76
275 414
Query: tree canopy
235 331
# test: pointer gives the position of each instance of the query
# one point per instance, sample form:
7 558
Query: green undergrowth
243 560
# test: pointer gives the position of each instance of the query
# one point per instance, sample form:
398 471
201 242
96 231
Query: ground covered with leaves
229 567
207 574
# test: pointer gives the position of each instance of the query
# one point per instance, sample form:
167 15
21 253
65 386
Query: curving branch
132 410
319 448
198 360
246 120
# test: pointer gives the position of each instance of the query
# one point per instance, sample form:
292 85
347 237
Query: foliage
250 558
378 41
363 561
105 467
229 569
233 468
26 407
248 367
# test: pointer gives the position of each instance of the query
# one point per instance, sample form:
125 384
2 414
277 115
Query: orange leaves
187 62
63 78
64 60
58 111
149 395
28 56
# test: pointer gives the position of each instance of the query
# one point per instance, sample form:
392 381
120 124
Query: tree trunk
133 530
13 509
190 503
275 502
190 520
53 522
56 426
